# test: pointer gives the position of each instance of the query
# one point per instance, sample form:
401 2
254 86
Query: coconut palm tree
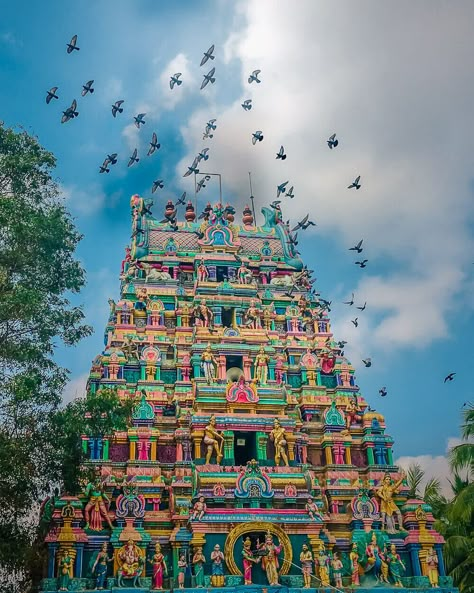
462 456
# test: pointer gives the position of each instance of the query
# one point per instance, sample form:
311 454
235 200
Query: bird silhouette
70 112
72 45
254 77
208 78
116 107
51 94
211 124
367 362
193 168
303 224
361 264
355 322
133 158
174 80
202 183
281 188
203 155
257 137
157 184
103 168
139 119
332 142
357 247
342 343
112 158
281 154
355 183
351 302
383 391
87 88
154 144
181 200
289 193
449 377
207 55
247 104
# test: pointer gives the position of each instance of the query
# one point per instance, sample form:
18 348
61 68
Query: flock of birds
71 113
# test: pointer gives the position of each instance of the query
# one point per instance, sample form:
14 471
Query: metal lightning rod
252 198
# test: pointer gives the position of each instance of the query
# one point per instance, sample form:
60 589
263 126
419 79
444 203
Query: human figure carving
278 436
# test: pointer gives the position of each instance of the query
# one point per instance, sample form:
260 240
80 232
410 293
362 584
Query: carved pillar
247 364
229 456
221 371
389 456
261 439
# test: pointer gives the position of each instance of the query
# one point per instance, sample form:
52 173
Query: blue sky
395 83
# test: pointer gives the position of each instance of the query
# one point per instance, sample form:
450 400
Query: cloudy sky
394 80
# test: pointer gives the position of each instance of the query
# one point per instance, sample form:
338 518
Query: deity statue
217 572
159 568
270 563
99 568
182 566
142 298
306 559
387 507
248 560
207 363
313 510
112 306
261 366
396 566
130 562
374 560
322 560
127 259
252 316
337 569
278 436
202 272
384 565
432 567
199 509
130 349
213 440
354 563
267 314
198 562
95 508
203 314
352 413
244 274
185 315
64 571
280 368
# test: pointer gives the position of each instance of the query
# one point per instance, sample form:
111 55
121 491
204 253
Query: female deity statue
95 508
99 569
217 572
396 566
182 565
159 568
373 557
261 366
207 363
202 272
64 571
252 316
337 568
387 507
432 566
213 440
354 560
323 563
198 562
306 559
270 558
199 509
248 561
278 436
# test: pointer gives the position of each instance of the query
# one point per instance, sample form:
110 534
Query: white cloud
75 388
169 98
84 201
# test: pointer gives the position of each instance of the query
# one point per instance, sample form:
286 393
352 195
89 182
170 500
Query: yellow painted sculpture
388 508
278 437
261 366
213 441
306 560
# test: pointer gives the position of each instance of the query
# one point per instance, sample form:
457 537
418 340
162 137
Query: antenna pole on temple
195 193
252 198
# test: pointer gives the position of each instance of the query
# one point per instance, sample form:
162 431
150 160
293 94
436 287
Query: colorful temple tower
252 459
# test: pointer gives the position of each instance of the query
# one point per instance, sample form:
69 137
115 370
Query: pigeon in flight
51 94
355 183
193 168
103 168
70 112
355 322
154 144
133 158
281 154
203 155
139 119
112 158
275 205
281 188
257 137
254 77
72 45
175 80
351 302
357 247
289 193
293 239
87 88
202 183
208 78
383 391
247 104
363 308
181 200
157 184
341 344
211 124
303 224
207 55
367 362
362 263
116 108
449 377
332 142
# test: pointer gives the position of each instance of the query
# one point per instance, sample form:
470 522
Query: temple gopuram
252 462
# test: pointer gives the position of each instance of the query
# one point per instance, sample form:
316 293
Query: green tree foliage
462 456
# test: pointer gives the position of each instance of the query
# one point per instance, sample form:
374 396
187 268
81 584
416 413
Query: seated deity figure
199 509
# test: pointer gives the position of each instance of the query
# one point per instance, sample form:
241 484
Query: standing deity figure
374 560
280 368
337 568
354 560
204 314
202 272
384 565
198 562
182 566
248 561
159 568
99 568
352 413
244 274
95 508
387 507
64 571
207 363
213 440
396 566
432 566
252 316
322 561
278 436
270 563
127 259
199 509
306 559
261 366
313 510
142 299
217 571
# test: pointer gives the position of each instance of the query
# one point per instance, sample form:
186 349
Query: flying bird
116 108
332 142
363 307
133 158
211 124
157 184
87 88
207 55
247 104
275 205
103 168
303 224
175 80
281 154
202 183
383 391
181 200
355 183
208 78
193 168
293 239
289 193
70 112
257 137
362 263
254 77
367 362
357 247
203 155
72 45
449 377
341 344
139 119
112 158
154 144
355 321
351 302
51 94
281 188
